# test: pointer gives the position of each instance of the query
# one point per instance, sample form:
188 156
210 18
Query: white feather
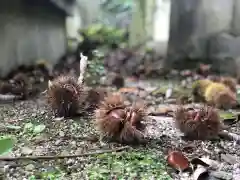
168 92
83 65
49 83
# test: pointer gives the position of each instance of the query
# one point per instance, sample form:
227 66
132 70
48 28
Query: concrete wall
161 25
207 31
74 23
29 32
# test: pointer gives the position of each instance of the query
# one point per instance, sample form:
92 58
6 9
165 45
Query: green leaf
6 144
227 115
39 128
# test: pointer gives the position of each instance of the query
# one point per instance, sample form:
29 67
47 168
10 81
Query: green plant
6 144
128 165
95 68
103 35
30 128
52 175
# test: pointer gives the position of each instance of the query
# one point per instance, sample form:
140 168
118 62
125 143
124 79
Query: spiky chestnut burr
220 96
20 85
64 95
230 82
199 124
118 122
15 89
198 89
117 80
94 97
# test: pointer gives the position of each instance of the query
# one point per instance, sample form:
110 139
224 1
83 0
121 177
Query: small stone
26 151
6 168
74 144
29 167
34 114
42 112
64 153
58 119
79 151
58 142
70 162
40 138
61 133
82 143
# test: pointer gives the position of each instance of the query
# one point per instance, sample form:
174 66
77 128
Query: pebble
26 151
58 142
74 144
70 162
64 153
61 133
29 167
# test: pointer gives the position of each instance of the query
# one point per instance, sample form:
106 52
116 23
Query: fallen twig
62 157
230 136
82 138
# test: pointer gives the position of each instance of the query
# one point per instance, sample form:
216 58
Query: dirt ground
38 133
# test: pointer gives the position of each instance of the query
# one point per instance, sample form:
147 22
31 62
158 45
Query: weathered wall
161 26
204 29
29 32
84 13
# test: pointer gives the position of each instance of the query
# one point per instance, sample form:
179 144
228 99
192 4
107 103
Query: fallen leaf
227 117
178 161
206 162
200 172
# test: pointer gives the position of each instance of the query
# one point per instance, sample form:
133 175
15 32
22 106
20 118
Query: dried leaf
200 172
227 117
206 162
199 161
177 160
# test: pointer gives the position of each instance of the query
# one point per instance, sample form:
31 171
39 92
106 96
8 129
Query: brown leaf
200 173
177 160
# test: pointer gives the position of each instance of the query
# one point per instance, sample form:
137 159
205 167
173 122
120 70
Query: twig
62 157
82 138
230 136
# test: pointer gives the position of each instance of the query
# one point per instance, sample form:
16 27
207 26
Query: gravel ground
62 137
